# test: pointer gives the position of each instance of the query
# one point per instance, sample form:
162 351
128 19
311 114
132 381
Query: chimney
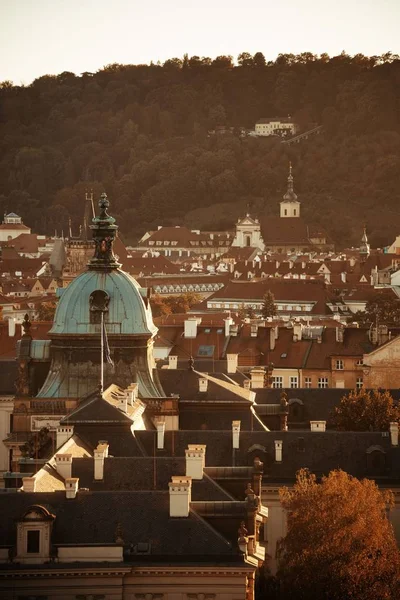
195 460
71 487
257 378
318 425
297 332
29 484
64 465
160 435
203 384
253 330
11 327
132 391
247 384
339 334
191 327
234 330
64 432
180 491
228 322
272 338
343 276
99 455
278 450
123 401
172 362
394 434
235 434
232 362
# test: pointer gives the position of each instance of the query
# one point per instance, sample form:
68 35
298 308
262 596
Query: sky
47 37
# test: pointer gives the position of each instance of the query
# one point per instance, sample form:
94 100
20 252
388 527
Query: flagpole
102 353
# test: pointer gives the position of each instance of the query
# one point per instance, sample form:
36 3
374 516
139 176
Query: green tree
268 307
365 410
383 307
339 544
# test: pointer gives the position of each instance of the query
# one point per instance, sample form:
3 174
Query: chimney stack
29 484
64 432
100 454
172 362
278 450
257 378
64 465
228 322
191 327
195 460
318 425
297 332
394 433
253 330
339 334
235 434
203 384
272 338
247 384
232 362
180 492
71 487
11 327
160 435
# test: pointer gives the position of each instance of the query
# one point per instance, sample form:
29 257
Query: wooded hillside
139 132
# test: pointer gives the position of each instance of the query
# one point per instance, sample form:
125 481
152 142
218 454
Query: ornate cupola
104 289
364 247
290 206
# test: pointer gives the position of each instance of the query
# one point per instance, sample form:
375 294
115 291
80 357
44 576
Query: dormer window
98 301
34 534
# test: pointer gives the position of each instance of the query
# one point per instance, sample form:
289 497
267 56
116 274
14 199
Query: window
307 382
322 382
360 362
277 382
359 383
294 382
339 365
33 541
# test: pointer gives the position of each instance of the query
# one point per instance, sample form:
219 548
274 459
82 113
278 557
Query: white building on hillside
12 227
282 126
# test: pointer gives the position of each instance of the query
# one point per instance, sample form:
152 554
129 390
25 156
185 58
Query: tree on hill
366 410
268 307
339 544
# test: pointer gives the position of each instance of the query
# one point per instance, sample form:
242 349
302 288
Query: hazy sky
41 37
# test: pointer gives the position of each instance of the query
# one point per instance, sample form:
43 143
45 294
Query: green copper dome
126 313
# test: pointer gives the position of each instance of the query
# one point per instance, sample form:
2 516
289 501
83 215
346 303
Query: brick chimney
64 465
232 362
172 362
29 484
195 460
297 332
278 450
228 322
394 433
64 432
71 487
235 434
318 425
180 492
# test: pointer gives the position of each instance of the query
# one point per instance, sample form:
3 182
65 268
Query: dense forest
140 132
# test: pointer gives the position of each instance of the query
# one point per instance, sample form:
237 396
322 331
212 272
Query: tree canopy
366 410
339 544
268 308
141 132
381 309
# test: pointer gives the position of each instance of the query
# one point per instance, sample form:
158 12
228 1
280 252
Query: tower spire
365 248
290 196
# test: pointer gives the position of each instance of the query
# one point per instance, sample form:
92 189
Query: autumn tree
268 307
365 410
46 311
339 544
173 304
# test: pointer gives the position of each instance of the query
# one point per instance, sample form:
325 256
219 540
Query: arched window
98 300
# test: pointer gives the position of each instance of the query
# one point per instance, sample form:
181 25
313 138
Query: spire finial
104 232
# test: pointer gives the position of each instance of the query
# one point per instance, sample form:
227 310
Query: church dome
127 311
103 288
